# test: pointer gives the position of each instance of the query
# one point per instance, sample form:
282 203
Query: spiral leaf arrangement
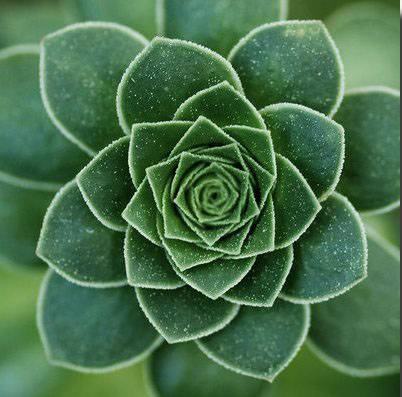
204 208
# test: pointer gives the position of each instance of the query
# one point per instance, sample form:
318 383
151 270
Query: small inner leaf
264 282
146 264
106 184
295 204
221 104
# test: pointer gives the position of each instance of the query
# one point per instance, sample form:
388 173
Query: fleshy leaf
331 257
141 213
139 16
312 142
217 25
215 278
147 265
262 235
151 143
257 142
92 330
106 185
77 246
264 282
221 104
359 332
202 133
196 375
371 177
33 154
184 314
295 204
179 70
186 255
81 67
295 61
21 216
260 342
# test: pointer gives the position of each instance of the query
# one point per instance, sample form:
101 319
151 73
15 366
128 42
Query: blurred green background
367 33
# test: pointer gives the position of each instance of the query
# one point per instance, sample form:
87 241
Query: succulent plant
212 203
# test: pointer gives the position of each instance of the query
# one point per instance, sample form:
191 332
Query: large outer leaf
295 61
32 152
178 69
331 257
184 314
371 176
92 330
182 370
358 333
81 67
77 246
312 142
21 216
216 24
260 342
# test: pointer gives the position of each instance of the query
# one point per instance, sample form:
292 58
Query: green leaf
195 375
186 255
312 142
295 61
147 265
106 185
202 133
216 25
92 330
81 67
331 257
264 282
216 278
257 143
262 235
184 68
295 204
33 154
260 342
221 104
360 30
77 246
21 216
371 177
358 333
183 314
139 15
141 213
151 143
